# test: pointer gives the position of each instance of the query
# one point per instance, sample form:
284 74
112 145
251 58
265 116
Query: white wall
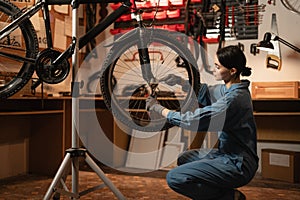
288 29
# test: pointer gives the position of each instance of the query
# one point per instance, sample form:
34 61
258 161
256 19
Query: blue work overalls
214 174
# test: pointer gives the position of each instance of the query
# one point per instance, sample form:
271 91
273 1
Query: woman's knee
177 183
174 179
180 160
170 179
188 156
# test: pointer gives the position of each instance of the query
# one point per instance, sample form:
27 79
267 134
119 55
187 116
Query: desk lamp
266 45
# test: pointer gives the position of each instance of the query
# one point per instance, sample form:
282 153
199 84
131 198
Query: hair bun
246 71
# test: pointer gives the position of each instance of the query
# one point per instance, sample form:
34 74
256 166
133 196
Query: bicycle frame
83 40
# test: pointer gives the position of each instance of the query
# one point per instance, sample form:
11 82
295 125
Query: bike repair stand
73 154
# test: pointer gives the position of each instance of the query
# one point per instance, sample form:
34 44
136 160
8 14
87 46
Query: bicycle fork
144 57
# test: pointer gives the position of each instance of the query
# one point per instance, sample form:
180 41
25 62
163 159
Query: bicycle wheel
292 5
22 43
125 90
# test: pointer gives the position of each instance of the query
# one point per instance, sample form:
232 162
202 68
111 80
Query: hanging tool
273 59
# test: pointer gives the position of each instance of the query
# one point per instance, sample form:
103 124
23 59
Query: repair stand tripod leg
73 154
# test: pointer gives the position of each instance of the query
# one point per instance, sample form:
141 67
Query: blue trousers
202 175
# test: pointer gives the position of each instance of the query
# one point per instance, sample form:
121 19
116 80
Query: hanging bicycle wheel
292 5
125 90
17 51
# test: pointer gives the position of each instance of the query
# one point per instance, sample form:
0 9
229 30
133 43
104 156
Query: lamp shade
265 44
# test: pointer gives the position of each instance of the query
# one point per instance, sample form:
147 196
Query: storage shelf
276 113
44 127
276 99
31 112
93 110
277 119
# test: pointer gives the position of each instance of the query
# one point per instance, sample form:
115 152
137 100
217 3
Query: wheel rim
127 96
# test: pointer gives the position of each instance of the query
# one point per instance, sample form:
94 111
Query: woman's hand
153 105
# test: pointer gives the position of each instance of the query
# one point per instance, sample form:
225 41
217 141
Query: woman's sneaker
238 195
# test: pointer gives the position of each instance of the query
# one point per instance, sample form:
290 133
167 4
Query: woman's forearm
165 112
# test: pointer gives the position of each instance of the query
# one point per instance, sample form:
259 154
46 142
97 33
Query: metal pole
75 152
57 177
75 100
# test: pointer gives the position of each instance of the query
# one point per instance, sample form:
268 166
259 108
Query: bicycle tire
16 74
119 90
292 5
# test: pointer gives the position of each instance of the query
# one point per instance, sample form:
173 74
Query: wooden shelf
277 120
276 99
31 112
44 126
276 113
41 128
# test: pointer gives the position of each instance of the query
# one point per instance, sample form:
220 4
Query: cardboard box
286 90
281 165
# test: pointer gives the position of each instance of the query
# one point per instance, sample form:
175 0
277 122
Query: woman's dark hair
233 57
